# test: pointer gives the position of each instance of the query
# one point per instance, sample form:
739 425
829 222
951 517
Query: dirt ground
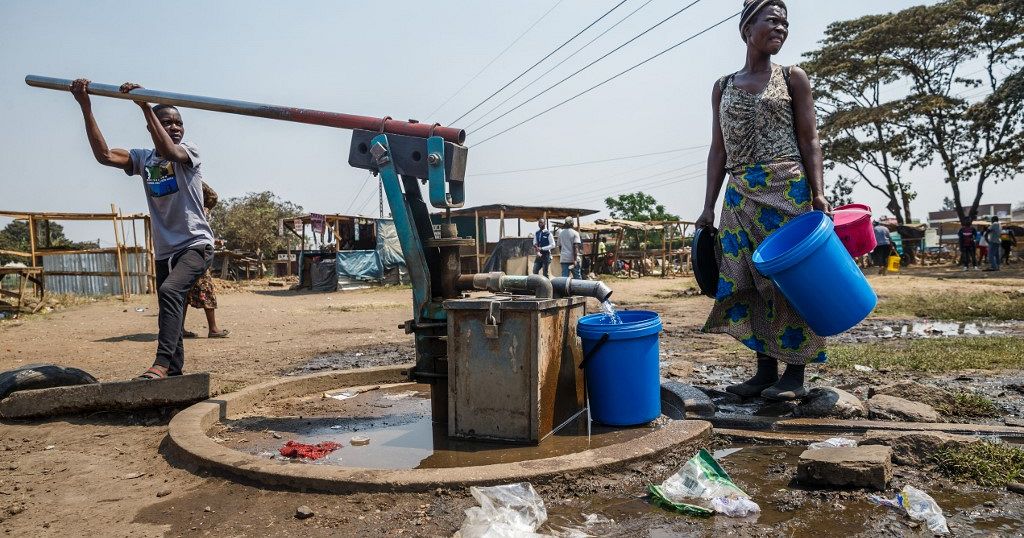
106 474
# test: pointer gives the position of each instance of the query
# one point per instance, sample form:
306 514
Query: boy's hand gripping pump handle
284 113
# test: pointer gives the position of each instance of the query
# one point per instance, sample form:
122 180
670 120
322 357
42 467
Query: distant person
966 237
1008 240
602 247
202 295
880 256
543 244
182 238
571 245
981 237
994 238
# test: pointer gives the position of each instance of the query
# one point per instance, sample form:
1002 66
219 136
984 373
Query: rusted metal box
513 366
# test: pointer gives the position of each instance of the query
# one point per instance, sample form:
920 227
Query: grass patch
986 463
933 355
965 306
970 404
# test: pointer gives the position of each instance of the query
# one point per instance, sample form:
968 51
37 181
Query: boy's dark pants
173 281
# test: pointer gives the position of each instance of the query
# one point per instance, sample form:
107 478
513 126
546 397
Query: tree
638 207
15 237
249 222
948 204
931 46
859 127
840 193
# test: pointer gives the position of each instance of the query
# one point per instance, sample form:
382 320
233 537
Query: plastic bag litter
834 442
508 511
702 478
918 505
584 530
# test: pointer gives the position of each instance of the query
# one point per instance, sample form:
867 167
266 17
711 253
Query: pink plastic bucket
854 228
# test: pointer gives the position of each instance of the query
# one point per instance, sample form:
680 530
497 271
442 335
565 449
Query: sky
400 58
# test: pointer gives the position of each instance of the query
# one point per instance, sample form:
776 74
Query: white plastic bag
508 511
835 442
922 507
702 478
918 505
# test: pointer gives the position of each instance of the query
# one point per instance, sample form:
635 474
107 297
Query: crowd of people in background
992 243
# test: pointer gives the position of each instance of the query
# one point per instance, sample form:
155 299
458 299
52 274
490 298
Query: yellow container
894 264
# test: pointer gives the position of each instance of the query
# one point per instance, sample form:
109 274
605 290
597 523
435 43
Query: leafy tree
638 207
840 193
948 204
249 222
931 47
15 237
859 127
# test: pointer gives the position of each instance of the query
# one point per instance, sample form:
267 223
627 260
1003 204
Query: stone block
915 448
830 402
915 392
111 396
884 407
856 467
695 401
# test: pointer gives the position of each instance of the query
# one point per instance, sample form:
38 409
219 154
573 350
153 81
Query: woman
765 137
201 295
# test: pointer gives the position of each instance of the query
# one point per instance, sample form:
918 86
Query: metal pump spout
565 287
500 282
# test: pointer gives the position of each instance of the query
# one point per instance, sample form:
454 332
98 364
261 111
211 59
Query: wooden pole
664 251
618 245
476 225
151 253
32 239
117 246
135 250
519 227
501 227
124 240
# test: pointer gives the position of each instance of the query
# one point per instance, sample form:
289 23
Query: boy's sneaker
964 270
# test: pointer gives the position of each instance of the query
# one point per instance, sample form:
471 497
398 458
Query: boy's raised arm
161 140
117 158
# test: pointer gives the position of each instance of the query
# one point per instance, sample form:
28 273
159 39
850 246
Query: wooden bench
25 274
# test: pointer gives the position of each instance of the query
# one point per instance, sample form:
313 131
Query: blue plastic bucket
812 268
623 376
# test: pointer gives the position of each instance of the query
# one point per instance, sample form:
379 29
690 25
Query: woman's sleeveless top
758 128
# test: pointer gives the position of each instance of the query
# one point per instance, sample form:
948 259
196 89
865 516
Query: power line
500 54
557 65
622 180
567 165
360 191
607 80
585 67
548 55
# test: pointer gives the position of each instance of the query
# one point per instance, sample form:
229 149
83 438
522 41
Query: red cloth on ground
294 449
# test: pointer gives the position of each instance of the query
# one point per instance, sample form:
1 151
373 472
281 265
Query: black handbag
704 259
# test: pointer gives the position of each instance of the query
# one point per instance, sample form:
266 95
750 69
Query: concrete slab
670 446
111 396
854 426
694 401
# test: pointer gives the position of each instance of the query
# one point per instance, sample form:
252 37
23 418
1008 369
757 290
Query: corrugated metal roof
102 262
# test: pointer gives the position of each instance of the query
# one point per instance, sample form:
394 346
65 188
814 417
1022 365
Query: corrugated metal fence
105 281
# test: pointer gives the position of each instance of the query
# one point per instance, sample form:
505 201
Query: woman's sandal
153 373
221 334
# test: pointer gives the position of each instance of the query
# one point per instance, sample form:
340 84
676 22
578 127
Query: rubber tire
42 376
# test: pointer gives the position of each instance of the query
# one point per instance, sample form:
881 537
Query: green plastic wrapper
701 478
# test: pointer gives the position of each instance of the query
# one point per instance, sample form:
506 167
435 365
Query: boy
182 238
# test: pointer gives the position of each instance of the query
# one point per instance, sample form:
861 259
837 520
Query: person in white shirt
571 245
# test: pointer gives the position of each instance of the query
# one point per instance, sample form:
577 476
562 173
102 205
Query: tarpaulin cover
388 246
509 247
360 264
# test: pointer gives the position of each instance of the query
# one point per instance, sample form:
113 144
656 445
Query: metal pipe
565 287
496 282
274 112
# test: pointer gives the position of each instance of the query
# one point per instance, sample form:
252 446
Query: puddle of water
889 329
402 436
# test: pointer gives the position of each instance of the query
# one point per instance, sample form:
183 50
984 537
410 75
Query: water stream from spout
611 316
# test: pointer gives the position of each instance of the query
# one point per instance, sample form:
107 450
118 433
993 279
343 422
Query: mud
361 357
884 329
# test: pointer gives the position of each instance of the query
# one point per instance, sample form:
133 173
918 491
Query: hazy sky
400 58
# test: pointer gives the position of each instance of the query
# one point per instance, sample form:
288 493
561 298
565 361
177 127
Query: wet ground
787 509
395 420
362 357
884 329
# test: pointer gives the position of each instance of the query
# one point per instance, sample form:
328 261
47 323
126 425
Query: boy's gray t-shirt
567 237
174 192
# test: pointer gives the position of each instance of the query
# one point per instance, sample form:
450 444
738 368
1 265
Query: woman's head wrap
752 7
